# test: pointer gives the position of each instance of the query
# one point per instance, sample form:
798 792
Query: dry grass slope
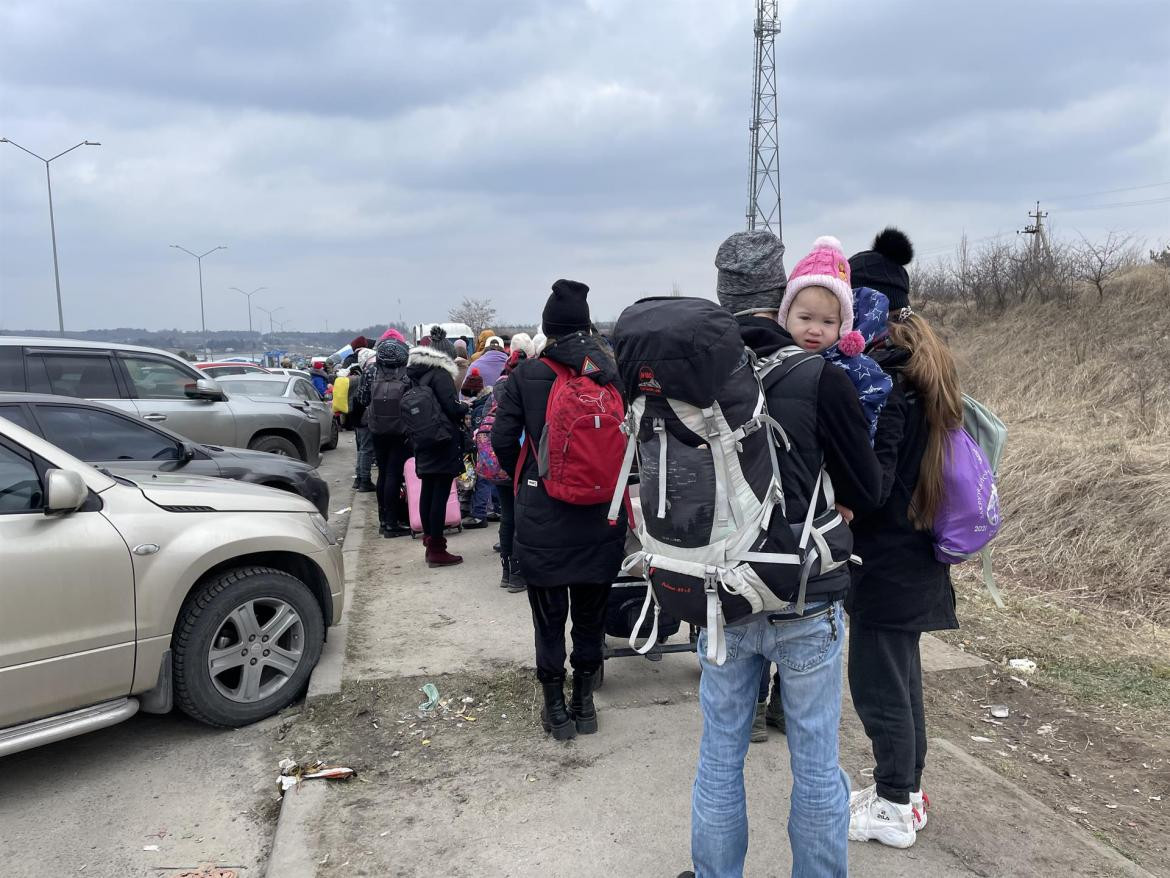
1085 480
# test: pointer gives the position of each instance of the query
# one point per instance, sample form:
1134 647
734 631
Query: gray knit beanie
751 272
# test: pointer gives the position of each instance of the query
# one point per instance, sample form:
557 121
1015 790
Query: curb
299 808
1123 865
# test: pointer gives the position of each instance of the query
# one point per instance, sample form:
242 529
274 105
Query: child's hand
846 512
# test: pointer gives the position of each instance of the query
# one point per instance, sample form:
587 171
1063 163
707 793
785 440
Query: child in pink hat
817 311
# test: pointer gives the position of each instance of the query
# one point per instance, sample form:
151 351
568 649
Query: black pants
432 503
507 519
885 677
551 608
391 453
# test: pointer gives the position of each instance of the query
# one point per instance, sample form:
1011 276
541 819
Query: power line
1109 191
1117 204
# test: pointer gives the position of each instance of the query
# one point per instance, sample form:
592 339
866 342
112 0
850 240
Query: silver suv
158 387
208 594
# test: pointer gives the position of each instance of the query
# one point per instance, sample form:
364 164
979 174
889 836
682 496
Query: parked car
300 373
104 436
218 370
121 595
157 387
293 390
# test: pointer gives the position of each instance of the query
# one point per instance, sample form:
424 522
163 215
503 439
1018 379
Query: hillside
1085 480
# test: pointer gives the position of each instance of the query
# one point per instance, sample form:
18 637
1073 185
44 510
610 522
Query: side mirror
205 389
67 492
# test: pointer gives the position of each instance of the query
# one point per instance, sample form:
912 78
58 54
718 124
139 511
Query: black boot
504 567
555 716
584 713
516 581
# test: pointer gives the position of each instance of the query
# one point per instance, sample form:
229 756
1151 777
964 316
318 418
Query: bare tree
1098 263
479 314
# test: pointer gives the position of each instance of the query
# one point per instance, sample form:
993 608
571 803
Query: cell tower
763 210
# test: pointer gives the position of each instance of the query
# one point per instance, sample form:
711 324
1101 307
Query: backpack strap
630 428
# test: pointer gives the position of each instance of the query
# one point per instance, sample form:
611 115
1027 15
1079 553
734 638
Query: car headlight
323 528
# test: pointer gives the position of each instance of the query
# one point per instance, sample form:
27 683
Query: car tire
332 443
276 445
208 629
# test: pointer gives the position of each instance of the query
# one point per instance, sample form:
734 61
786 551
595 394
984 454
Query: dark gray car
106 437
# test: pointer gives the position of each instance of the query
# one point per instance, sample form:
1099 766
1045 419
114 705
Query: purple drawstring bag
968 517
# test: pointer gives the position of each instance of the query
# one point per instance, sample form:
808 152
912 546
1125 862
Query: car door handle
154 417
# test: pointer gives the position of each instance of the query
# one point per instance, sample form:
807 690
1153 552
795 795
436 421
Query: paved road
88 806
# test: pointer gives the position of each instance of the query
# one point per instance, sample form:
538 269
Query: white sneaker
921 803
919 800
872 817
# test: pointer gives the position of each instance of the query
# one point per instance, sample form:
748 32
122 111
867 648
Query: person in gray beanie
751 272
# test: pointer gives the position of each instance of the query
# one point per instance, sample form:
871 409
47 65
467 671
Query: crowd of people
872 417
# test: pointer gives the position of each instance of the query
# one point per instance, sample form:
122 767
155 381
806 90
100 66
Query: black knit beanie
882 268
566 310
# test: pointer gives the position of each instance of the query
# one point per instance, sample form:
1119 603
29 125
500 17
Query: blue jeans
484 499
807 653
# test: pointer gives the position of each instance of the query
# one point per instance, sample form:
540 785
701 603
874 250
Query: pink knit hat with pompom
826 266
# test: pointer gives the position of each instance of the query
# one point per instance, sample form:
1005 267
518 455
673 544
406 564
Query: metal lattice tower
763 210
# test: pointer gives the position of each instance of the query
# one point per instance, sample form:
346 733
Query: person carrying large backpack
570 411
903 588
822 449
380 397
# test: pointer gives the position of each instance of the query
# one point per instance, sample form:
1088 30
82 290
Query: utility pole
1036 229
763 209
52 221
271 322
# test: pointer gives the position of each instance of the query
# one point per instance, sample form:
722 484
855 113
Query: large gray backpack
716 543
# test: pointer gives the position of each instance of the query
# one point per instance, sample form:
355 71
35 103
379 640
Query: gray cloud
351 154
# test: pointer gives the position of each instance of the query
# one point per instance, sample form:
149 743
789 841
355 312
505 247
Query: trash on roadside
1041 757
1073 809
292 773
979 739
150 847
330 772
1023 665
467 699
432 694
999 711
343 511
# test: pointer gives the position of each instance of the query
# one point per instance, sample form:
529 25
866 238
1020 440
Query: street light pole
249 297
52 221
199 260
270 313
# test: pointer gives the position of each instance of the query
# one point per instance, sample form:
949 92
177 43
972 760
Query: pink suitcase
414 488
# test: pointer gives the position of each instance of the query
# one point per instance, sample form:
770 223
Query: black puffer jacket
900 584
556 543
430 368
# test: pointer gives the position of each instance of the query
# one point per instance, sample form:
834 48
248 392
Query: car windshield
255 388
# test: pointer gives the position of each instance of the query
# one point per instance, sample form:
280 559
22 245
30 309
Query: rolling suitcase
414 489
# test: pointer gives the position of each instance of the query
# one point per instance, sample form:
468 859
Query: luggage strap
630 429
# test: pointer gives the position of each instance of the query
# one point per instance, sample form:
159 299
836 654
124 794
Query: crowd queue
874 418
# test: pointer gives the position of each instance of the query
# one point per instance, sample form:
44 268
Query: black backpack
424 420
384 412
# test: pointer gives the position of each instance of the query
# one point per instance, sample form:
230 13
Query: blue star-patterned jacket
871 311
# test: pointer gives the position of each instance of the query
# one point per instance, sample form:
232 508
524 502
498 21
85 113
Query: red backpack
580 453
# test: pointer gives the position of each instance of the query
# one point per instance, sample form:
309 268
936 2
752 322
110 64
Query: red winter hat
826 266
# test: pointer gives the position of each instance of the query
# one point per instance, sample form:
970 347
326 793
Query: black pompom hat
882 268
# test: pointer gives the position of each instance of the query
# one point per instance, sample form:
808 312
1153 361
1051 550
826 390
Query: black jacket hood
574 349
891 359
763 334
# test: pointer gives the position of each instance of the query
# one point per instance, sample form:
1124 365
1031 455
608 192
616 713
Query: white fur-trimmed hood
429 357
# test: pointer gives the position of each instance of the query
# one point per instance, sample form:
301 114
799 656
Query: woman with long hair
900 589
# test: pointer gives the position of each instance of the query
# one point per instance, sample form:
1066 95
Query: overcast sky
352 155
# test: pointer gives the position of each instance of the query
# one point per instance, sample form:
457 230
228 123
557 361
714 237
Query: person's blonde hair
931 370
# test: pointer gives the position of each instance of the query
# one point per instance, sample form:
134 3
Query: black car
106 437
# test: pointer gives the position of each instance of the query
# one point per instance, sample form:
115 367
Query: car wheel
244 646
332 443
275 445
